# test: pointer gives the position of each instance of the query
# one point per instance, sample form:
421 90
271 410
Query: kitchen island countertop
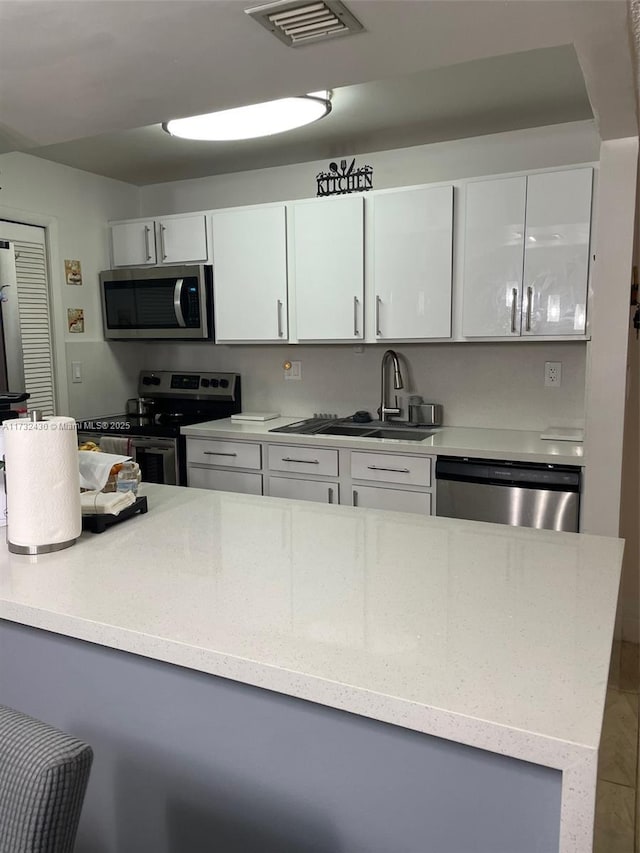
491 636
510 444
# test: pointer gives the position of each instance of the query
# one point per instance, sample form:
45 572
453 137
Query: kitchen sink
367 431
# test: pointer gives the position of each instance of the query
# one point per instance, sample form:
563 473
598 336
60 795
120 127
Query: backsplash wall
479 384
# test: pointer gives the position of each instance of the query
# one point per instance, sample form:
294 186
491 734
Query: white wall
75 206
534 148
487 385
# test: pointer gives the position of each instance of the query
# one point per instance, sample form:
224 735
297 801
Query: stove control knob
204 383
214 383
224 383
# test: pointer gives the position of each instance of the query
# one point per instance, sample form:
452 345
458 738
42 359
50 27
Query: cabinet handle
395 470
162 251
355 498
355 316
330 495
378 301
529 304
514 303
147 247
280 333
306 461
217 453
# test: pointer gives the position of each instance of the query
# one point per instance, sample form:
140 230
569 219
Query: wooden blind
33 309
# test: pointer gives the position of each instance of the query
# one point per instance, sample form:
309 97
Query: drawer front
398 500
303 460
226 454
391 468
225 481
304 490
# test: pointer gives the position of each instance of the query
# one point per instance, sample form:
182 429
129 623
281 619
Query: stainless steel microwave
154 303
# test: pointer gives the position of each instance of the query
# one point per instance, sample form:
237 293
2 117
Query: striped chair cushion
43 779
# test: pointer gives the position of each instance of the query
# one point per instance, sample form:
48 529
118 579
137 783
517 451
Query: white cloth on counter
100 503
115 444
95 468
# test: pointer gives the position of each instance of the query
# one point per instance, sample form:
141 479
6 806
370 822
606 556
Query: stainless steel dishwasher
522 494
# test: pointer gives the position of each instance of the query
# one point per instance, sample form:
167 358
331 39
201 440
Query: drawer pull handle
306 461
395 470
217 453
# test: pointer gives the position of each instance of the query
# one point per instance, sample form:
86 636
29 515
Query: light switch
76 371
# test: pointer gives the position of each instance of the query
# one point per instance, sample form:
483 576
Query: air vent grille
297 23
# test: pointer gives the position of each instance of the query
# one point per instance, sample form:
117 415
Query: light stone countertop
488 635
510 444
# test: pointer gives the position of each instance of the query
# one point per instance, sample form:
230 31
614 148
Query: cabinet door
304 490
182 240
413 244
375 497
556 254
328 265
133 243
493 257
250 275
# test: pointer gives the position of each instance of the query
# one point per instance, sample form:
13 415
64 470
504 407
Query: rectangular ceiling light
297 23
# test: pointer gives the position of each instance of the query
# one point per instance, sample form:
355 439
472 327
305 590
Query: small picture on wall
72 272
75 317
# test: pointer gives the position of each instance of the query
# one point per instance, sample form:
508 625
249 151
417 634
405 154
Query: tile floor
618 794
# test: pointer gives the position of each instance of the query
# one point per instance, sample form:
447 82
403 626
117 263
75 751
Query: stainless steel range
171 400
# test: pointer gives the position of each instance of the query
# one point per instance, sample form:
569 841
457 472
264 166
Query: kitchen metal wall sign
343 179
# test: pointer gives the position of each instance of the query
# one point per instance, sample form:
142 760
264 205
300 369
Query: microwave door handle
177 302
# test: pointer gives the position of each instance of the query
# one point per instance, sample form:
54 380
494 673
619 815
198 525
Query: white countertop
488 635
510 444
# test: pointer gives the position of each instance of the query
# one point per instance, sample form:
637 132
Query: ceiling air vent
297 23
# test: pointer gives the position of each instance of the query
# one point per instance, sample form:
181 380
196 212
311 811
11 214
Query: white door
413 245
493 257
250 275
400 500
303 490
556 254
182 240
133 243
328 268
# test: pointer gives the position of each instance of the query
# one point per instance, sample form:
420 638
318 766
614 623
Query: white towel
111 503
115 444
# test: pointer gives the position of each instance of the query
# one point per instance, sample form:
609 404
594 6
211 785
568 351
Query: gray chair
43 779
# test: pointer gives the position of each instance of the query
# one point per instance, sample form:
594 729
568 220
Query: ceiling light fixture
253 121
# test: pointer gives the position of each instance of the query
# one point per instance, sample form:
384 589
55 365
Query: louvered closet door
34 313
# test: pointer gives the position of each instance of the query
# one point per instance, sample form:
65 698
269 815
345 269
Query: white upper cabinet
133 243
493 257
412 260
556 259
182 239
250 274
327 267
526 257
168 240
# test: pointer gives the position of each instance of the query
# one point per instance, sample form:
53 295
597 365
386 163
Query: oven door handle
177 302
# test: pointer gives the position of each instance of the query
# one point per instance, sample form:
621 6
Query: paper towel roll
43 484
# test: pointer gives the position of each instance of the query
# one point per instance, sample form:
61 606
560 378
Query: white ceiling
87 83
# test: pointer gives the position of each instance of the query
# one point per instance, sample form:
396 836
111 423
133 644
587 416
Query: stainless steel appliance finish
178 399
348 427
429 414
546 497
154 303
386 411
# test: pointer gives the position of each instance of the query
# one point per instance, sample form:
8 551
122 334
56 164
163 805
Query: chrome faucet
385 410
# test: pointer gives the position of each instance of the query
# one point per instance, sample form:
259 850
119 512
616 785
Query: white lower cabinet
399 500
304 490
396 481
225 481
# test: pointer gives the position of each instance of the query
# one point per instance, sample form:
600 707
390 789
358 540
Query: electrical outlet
292 369
552 374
